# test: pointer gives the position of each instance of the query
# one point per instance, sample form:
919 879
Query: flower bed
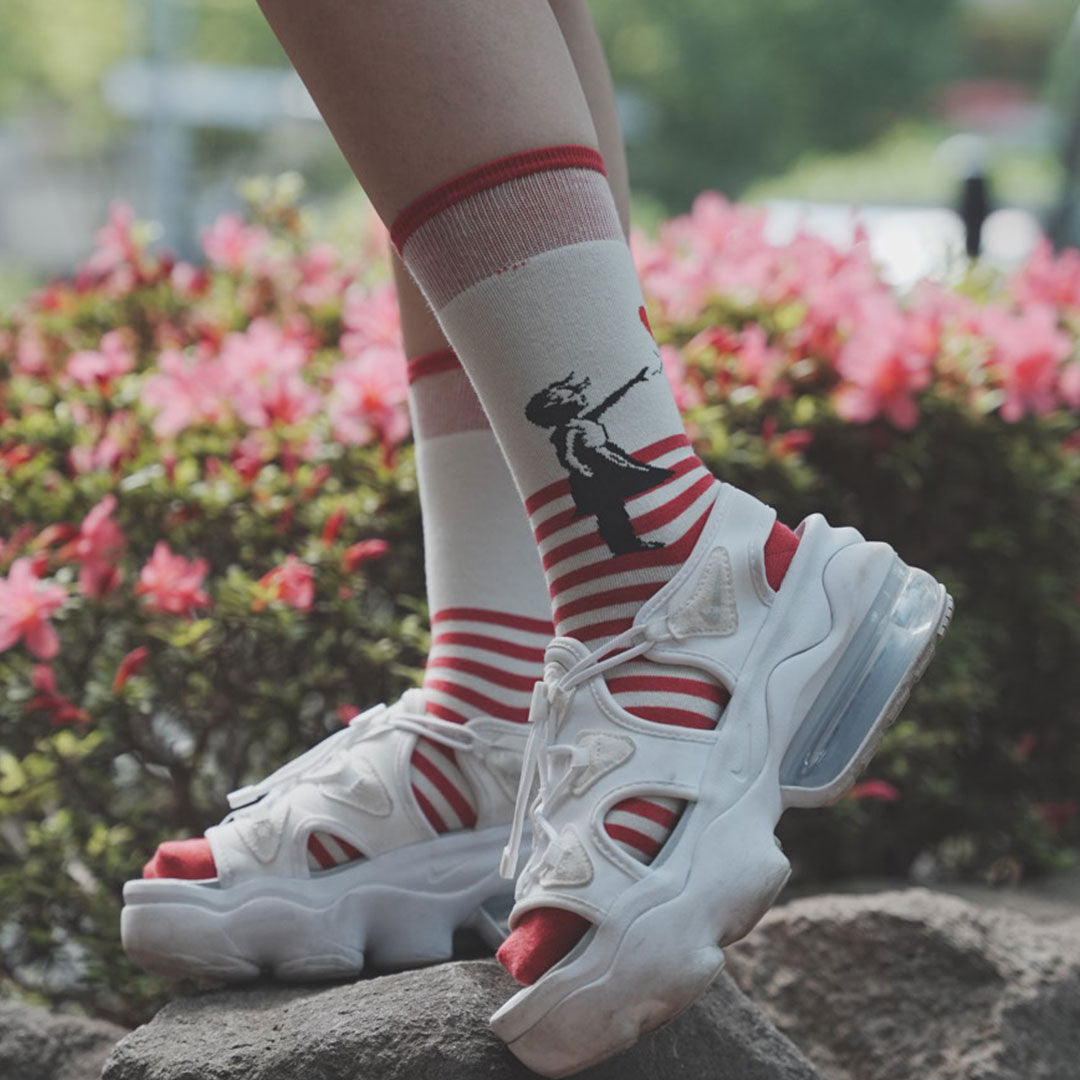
210 547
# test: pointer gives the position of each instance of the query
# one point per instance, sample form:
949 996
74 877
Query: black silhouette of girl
602 474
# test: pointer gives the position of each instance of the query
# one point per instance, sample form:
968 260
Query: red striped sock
524 263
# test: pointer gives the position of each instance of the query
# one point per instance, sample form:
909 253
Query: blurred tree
739 88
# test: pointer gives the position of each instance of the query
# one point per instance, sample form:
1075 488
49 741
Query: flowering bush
209 537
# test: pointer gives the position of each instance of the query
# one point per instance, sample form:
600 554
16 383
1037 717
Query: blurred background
811 105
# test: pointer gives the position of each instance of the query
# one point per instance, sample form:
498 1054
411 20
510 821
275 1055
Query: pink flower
879 790
260 373
30 353
369 396
883 363
320 279
370 317
293 582
98 546
90 366
48 699
363 551
1046 279
184 391
232 245
332 525
26 604
171 582
1028 351
117 247
130 665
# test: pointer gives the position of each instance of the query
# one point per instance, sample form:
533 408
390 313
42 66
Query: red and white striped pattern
481 663
325 851
596 596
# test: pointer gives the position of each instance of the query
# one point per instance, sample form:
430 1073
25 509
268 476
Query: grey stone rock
429 1024
916 984
36 1044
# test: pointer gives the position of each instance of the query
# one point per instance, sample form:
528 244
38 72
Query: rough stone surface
36 1044
916 984
426 1025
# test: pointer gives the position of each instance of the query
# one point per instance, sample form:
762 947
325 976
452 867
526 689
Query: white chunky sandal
817 671
399 905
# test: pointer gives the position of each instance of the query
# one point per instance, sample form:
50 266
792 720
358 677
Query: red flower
362 552
293 582
129 666
171 582
332 526
59 708
26 603
880 790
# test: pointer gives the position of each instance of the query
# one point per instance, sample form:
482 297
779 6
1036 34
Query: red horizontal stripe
432 363
322 856
349 850
645 844
488 175
546 494
649 452
429 811
606 598
466 814
663 446
443 713
668 684
490 644
565 518
496 618
607 628
486 672
673 554
660 714
647 522
647 809
480 701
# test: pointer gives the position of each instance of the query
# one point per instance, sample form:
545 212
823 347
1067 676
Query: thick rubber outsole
398 910
583 1011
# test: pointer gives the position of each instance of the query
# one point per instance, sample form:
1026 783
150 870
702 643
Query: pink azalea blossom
113 358
130 665
98 547
30 354
260 374
233 245
370 317
1028 350
368 399
171 583
185 390
48 699
26 604
320 279
117 247
1047 278
293 582
884 365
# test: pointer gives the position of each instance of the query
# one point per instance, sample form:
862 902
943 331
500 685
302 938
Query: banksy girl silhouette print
602 474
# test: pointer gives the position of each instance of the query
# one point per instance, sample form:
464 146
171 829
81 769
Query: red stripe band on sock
429 811
668 684
445 787
646 809
645 844
660 714
496 618
443 713
486 672
569 156
490 644
432 363
322 856
607 598
479 701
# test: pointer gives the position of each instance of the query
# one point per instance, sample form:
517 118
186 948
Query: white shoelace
546 714
407 714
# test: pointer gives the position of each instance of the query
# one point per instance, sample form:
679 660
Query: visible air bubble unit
883 659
